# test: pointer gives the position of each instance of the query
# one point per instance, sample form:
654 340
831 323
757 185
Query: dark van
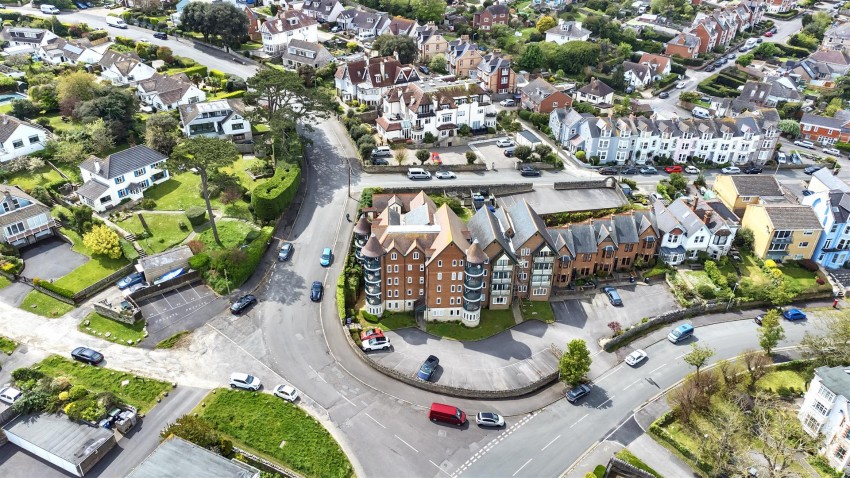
446 413
681 333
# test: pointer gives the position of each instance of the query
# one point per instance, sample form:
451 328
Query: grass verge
492 322
140 392
165 231
44 305
7 345
4 282
636 462
170 342
390 321
539 310
119 332
276 429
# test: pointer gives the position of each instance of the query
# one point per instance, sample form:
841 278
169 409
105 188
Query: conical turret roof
373 248
475 255
363 226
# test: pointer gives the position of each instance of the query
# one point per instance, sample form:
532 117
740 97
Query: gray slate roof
24 212
123 162
485 228
762 185
823 121
792 217
825 176
71 441
527 223
8 125
92 189
836 379
178 456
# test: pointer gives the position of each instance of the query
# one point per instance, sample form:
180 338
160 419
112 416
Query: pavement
548 200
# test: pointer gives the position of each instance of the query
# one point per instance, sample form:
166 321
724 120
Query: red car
673 169
768 34
371 334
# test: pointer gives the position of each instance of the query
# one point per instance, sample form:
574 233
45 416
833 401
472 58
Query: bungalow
20 138
23 219
289 25
58 51
323 11
567 31
541 96
837 60
223 119
300 52
124 69
165 92
122 175
596 93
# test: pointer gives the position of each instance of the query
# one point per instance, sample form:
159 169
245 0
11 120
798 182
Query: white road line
364 403
408 444
612 372
629 385
657 369
317 374
166 300
373 419
346 399
606 401
523 466
597 353
551 442
438 467
579 420
181 295
680 356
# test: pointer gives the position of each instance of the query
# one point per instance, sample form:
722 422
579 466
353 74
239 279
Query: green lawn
27 180
7 345
179 193
140 392
4 282
786 379
659 269
58 125
231 233
165 231
44 305
799 276
636 462
119 332
92 271
170 342
248 46
390 321
278 430
540 310
238 168
492 322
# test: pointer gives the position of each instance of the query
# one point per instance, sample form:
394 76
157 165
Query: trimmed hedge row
196 70
793 51
53 288
272 197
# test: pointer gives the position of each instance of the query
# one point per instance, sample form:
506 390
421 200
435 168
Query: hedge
10 15
272 197
678 69
196 70
97 35
842 146
661 433
218 74
793 51
340 296
53 288
232 94
196 215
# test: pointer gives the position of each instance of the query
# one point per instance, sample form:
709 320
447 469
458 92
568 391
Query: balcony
372 265
473 283
781 240
500 292
31 232
505 268
472 295
373 300
471 306
501 280
372 277
544 259
373 289
474 270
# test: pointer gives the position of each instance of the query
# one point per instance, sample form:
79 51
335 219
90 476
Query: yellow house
739 191
783 231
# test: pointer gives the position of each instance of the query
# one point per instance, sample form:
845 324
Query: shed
176 454
155 266
527 138
72 446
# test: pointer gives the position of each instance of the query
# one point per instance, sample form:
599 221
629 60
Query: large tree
389 45
545 23
206 156
218 18
428 10
575 362
103 241
831 345
75 87
115 105
532 57
161 132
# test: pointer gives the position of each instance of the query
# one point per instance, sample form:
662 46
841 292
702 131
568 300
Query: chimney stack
707 217
696 202
97 166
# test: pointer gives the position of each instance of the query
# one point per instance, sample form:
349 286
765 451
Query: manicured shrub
148 204
196 215
200 262
272 197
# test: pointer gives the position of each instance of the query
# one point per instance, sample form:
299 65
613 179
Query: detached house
596 93
165 92
430 42
287 26
567 31
122 175
541 96
492 15
255 22
686 45
367 80
124 69
300 52
58 51
690 226
223 119
23 220
363 24
400 26
25 40
659 65
780 6
825 414
835 38
783 231
637 75
323 11
20 138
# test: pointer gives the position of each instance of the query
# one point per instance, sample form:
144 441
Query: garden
113 330
492 322
159 231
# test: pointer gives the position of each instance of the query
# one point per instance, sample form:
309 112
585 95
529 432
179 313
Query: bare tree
692 396
779 429
731 373
831 346
722 448
757 365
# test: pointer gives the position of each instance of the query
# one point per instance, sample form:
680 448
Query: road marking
181 295
636 381
612 372
551 442
621 426
658 368
597 352
166 301
317 374
680 356
364 403
373 419
523 466
606 401
438 467
346 399
579 420
408 444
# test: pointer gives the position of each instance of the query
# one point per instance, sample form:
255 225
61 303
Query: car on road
327 257
636 357
759 40
663 95
710 68
722 60
753 170
832 151
489 419
648 170
418 173
805 144
505 143
376 343
445 175
81 5
371 333
242 303
629 171
768 33
428 366
731 170
244 381
130 280
508 103
285 252
9 395
794 314
812 170
758 319
160 36
286 392
577 392
529 171
425 69
87 355
608 171
673 169
316 291
613 296
691 169
681 85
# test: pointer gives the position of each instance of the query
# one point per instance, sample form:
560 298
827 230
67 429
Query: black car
608 171
242 303
710 68
812 170
663 95
578 392
529 171
380 162
630 170
425 69
285 252
316 291
428 367
87 355
509 153
753 170
160 36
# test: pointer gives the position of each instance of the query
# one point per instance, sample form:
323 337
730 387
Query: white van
418 173
49 9
363 36
116 22
700 112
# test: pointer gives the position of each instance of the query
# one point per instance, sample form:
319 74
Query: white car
286 392
244 381
505 143
681 85
691 169
508 102
832 151
489 419
445 175
9 395
376 343
731 170
636 357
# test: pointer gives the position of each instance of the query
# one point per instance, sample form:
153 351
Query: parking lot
490 153
186 308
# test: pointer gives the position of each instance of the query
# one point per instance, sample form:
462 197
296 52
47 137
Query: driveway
186 308
50 259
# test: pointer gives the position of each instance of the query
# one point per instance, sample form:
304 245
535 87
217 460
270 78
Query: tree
23 109
745 60
771 331
689 97
428 10
471 157
307 74
624 50
678 182
165 54
835 105
286 100
220 18
575 362
688 398
75 87
757 365
767 50
545 23
780 431
69 152
389 45
725 442
44 96
831 346
698 356
161 132
400 155
744 239
542 151
422 155
206 155
103 241
532 57
98 137
115 105
438 64
789 127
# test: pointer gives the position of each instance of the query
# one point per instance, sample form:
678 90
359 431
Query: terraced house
829 198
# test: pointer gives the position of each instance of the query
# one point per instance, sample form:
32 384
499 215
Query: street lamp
734 289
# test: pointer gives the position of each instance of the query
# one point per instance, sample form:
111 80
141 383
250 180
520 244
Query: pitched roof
486 229
526 223
596 88
92 189
380 71
791 217
28 206
538 89
830 181
8 125
23 34
835 57
493 61
570 29
823 121
123 62
60 46
836 379
658 63
191 111
320 6
320 55
170 89
401 26
289 20
123 162
641 71
761 185
498 10
685 39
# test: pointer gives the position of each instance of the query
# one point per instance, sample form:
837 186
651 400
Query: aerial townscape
425 238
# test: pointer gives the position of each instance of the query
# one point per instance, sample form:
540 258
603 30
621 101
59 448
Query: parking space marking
658 368
579 420
523 466
373 419
612 372
551 442
408 444
680 356
438 467
166 300
606 401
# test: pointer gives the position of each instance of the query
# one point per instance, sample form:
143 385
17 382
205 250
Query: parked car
577 392
285 252
794 314
648 170
608 171
731 170
505 143
509 152
132 279
489 419
663 95
286 392
316 291
805 144
812 170
440 412
710 68
690 169
418 173
636 357
832 151
613 296
160 36
529 171
428 367
425 69
753 170
445 175
371 333
87 355
681 85
673 169
381 152
759 40
9 395
768 33
327 257
379 162
81 5
242 303
376 343
758 319
629 171
244 381
508 102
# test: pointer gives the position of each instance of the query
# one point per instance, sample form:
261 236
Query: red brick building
492 15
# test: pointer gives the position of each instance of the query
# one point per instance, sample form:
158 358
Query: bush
97 35
200 262
53 288
148 204
196 215
77 392
809 265
272 197
26 374
199 70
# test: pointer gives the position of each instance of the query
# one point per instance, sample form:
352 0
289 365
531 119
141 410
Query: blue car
794 314
427 368
327 257
132 279
81 5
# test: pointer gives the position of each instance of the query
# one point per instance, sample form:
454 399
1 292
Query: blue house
829 198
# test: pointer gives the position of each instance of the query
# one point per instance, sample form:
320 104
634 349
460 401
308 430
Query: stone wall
126 317
370 168
609 183
431 187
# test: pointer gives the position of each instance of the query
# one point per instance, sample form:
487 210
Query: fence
266 465
103 283
428 167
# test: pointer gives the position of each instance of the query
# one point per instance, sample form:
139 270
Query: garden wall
428 167
117 316
495 189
